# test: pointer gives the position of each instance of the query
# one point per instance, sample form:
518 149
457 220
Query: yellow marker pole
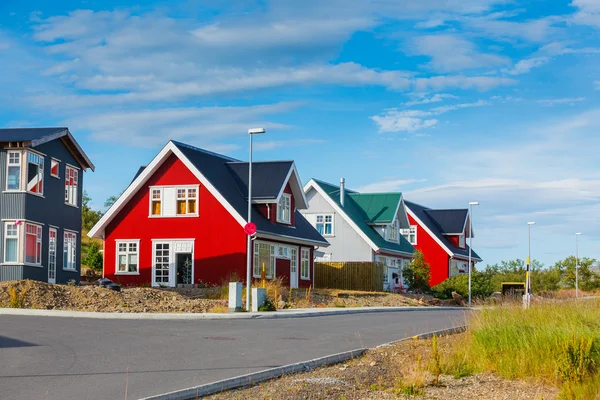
263 275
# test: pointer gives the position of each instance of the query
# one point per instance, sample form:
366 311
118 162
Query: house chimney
342 191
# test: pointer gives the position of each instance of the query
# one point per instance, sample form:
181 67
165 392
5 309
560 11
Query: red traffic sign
250 228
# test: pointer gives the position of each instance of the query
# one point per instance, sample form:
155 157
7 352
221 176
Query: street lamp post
251 132
577 263
527 297
471 204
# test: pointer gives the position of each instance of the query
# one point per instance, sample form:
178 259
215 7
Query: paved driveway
50 358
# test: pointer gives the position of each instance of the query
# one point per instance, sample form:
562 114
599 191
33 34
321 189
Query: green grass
558 344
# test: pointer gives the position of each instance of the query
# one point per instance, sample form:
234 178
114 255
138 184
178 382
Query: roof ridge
212 153
348 191
44 127
376 193
259 162
447 209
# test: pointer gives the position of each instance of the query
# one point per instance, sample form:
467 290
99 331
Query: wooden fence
367 276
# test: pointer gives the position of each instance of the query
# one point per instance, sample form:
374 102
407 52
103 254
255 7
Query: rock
458 299
280 305
372 364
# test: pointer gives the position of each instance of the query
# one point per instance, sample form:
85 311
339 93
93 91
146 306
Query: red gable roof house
441 236
181 221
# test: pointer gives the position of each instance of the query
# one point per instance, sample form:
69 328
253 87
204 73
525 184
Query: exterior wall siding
49 210
345 244
219 240
434 255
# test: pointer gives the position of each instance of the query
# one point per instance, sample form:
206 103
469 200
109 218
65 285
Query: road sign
250 228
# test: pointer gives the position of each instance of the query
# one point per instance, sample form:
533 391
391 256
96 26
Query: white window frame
393 235
52 251
38 242
127 253
305 257
19 165
462 242
187 198
72 265
54 161
324 222
163 200
41 166
17 237
408 233
257 268
284 203
71 196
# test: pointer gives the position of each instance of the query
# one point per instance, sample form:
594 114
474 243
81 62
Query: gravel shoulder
44 296
388 373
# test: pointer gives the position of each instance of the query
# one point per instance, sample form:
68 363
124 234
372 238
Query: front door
52 256
294 268
184 268
162 265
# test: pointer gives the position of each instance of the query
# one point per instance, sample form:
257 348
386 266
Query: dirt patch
46 296
392 372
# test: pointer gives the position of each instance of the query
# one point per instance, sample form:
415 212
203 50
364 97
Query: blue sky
448 101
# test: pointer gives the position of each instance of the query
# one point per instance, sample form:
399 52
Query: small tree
94 257
417 273
89 217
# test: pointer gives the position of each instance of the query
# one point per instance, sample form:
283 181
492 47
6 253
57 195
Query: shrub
17 300
417 273
482 285
268 306
94 257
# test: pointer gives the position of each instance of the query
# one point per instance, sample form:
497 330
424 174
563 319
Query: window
264 256
410 234
162 252
52 255
305 264
33 244
54 163
186 201
284 208
394 231
35 173
156 201
324 224
461 241
13 181
70 251
294 262
326 257
173 201
11 243
283 252
71 185
128 257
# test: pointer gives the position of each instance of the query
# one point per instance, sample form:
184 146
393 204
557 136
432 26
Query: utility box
259 296
235 296
513 288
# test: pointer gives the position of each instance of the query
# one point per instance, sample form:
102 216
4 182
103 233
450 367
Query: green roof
379 208
369 208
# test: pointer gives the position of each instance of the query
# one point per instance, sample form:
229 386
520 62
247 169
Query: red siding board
434 254
219 240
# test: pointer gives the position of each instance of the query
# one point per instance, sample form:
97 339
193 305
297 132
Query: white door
294 267
52 256
161 270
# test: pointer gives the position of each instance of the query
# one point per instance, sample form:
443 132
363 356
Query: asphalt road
51 358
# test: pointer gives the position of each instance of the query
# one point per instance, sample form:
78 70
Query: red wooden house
441 235
181 222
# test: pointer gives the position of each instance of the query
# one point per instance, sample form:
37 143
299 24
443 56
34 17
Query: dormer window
461 241
410 234
35 173
284 209
14 171
393 231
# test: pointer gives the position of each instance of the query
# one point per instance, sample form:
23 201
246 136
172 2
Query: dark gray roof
138 173
267 177
216 168
36 136
423 214
449 221
27 134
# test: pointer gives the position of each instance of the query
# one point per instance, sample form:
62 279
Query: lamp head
531 223
474 203
256 131
578 234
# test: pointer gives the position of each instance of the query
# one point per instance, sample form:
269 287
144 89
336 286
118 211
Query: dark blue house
41 186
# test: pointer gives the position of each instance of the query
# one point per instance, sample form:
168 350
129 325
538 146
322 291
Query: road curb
261 376
301 313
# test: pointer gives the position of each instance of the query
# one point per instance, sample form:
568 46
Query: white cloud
567 100
588 12
394 120
451 53
538 30
389 185
597 85
544 55
201 126
424 99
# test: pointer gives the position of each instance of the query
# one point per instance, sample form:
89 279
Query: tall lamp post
251 132
471 204
527 297
577 263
